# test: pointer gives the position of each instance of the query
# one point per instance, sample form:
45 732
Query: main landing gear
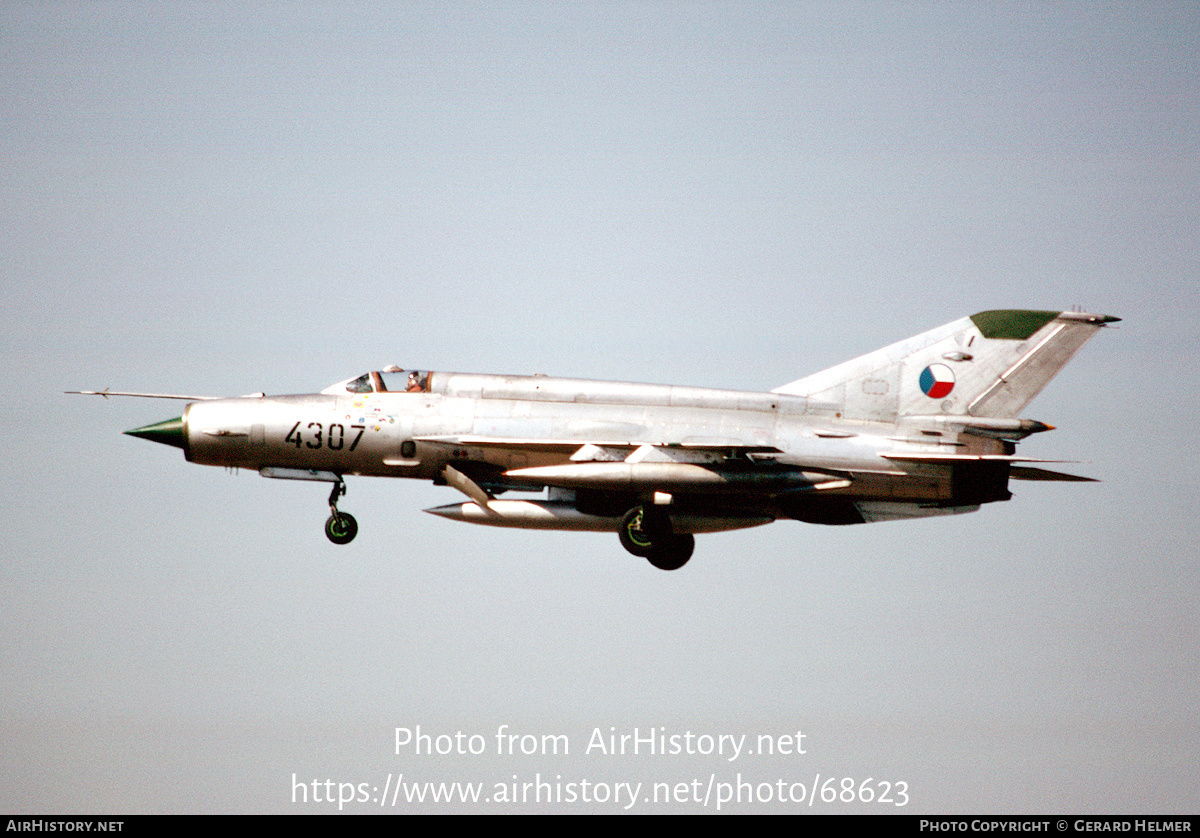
646 532
340 528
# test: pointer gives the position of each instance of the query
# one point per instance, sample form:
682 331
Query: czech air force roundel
937 380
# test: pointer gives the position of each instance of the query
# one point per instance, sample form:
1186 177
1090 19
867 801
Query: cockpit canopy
391 379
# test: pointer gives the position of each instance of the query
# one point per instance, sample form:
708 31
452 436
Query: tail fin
990 364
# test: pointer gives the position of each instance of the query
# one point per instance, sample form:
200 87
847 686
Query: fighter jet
927 426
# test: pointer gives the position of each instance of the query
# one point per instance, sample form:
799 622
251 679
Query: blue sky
217 198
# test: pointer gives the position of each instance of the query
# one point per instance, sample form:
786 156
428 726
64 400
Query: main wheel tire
635 536
341 528
672 552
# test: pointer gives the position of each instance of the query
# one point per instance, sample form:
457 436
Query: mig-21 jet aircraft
926 426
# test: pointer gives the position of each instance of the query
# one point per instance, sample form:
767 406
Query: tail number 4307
314 435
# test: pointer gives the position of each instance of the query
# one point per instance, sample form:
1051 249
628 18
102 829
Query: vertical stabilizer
989 364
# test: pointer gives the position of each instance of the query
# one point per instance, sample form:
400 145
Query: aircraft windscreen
362 384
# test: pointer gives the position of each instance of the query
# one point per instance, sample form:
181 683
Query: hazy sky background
225 198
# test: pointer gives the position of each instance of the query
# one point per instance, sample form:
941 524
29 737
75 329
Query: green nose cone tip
168 432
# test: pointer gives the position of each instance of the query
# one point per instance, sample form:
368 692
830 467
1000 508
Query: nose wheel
340 527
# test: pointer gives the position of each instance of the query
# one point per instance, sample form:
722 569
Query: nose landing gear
340 527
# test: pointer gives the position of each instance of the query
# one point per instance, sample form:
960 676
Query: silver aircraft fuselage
468 420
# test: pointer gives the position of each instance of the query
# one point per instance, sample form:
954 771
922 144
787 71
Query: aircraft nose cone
168 432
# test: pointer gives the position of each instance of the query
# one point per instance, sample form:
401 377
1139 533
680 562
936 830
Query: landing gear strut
340 527
647 533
